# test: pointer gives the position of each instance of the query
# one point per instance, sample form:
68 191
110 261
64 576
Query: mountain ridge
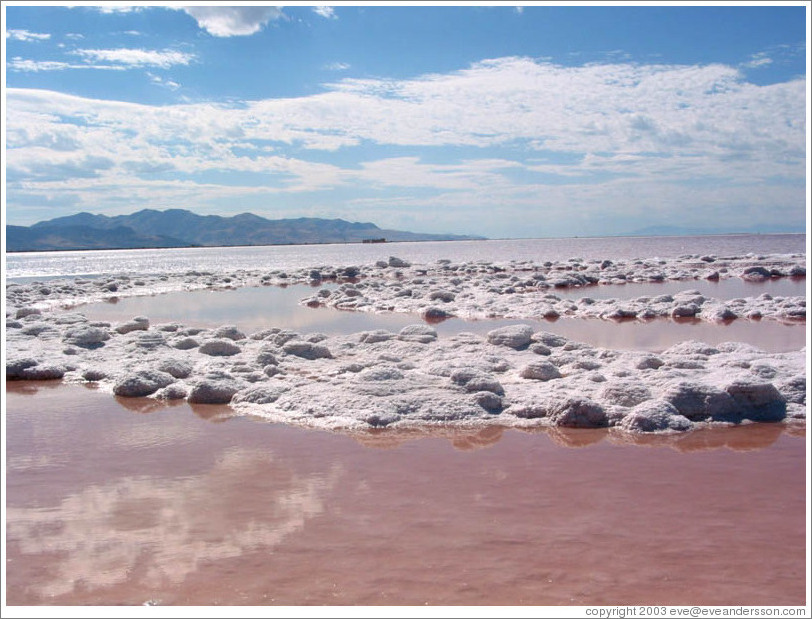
150 228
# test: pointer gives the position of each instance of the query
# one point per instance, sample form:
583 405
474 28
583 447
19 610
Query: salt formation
515 376
469 290
376 379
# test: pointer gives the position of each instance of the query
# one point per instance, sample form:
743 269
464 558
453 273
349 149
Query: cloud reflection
158 530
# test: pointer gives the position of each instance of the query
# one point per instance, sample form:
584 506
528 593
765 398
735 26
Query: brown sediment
106 506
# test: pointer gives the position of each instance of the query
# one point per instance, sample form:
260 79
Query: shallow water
184 505
143 261
725 289
253 309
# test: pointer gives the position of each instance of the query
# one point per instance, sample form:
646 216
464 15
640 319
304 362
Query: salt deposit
469 290
514 376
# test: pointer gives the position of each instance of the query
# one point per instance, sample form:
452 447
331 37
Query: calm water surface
253 309
108 504
57 264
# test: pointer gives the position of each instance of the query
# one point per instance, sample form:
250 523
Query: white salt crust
514 376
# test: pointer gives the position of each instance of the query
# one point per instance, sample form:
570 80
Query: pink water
253 309
183 505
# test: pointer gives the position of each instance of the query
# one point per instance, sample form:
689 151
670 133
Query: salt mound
219 348
578 412
307 350
215 388
86 337
540 370
142 383
418 333
758 401
513 336
655 416
140 323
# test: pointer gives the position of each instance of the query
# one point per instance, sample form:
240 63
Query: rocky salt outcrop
418 333
86 336
28 368
141 383
514 336
540 370
139 323
307 350
219 348
655 416
214 388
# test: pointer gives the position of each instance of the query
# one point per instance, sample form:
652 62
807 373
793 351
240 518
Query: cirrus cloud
33 66
137 57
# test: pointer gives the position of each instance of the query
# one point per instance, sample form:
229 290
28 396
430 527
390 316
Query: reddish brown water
108 504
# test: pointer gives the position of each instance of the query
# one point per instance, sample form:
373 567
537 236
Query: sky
501 121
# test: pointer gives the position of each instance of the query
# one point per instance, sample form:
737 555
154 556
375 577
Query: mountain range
150 228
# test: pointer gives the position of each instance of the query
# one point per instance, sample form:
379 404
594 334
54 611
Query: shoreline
387 242
744 437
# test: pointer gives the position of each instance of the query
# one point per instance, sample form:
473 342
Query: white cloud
337 66
229 21
22 64
137 57
122 59
118 8
25 35
325 11
630 138
621 109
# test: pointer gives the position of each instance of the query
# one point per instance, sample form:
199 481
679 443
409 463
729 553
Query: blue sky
501 121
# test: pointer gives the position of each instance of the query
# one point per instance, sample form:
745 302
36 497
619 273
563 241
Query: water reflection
738 438
724 289
154 531
749 436
215 413
144 405
253 309
109 506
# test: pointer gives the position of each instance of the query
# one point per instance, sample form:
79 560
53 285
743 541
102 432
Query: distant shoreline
44 251
362 242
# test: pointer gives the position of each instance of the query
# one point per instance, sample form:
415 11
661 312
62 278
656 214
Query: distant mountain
182 228
20 238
